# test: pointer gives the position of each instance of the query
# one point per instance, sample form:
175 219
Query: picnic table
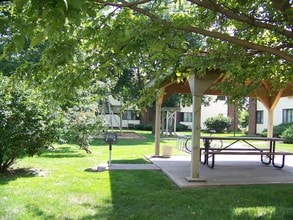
267 153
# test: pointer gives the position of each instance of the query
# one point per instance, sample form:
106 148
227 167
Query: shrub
277 129
218 123
26 126
147 127
288 135
181 127
80 127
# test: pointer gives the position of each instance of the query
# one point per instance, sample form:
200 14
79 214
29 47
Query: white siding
114 121
215 108
284 103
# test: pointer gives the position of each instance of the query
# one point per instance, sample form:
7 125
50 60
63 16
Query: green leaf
52 33
77 4
18 42
91 13
38 38
19 3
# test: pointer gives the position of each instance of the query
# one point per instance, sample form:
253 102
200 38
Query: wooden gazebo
200 85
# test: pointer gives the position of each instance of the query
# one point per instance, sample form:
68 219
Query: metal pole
110 153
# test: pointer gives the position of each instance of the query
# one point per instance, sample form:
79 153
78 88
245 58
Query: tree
243 118
272 18
81 121
27 125
245 39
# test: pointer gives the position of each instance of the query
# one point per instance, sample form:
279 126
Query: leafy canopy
101 40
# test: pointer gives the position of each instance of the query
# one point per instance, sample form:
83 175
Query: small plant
288 135
218 123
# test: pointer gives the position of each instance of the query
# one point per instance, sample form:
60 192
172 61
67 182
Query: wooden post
198 85
270 123
195 140
158 125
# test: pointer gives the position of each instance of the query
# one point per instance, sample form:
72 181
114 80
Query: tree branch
211 5
234 40
124 4
212 34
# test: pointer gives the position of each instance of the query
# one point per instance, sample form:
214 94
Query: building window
186 116
130 115
259 117
221 98
287 115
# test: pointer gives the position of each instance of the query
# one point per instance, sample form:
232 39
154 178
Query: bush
181 127
218 123
26 126
277 130
147 127
80 127
288 135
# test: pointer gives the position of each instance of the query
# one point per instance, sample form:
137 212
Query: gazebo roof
265 92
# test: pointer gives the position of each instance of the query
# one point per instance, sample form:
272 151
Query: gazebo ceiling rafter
265 91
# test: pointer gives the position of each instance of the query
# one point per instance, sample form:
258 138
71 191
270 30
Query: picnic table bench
267 155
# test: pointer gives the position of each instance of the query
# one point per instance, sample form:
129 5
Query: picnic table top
252 138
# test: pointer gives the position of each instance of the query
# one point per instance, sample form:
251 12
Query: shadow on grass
37 212
14 174
102 211
152 195
62 152
133 192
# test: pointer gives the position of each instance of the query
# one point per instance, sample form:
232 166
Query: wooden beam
269 101
276 99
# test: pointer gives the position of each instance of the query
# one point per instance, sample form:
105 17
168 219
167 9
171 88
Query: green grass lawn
60 184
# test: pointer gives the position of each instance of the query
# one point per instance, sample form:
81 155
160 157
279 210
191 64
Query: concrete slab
103 167
229 170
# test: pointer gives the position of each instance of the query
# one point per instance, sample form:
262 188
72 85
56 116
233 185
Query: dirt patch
124 135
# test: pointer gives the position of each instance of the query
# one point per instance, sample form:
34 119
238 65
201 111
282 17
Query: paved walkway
122 166
228 170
